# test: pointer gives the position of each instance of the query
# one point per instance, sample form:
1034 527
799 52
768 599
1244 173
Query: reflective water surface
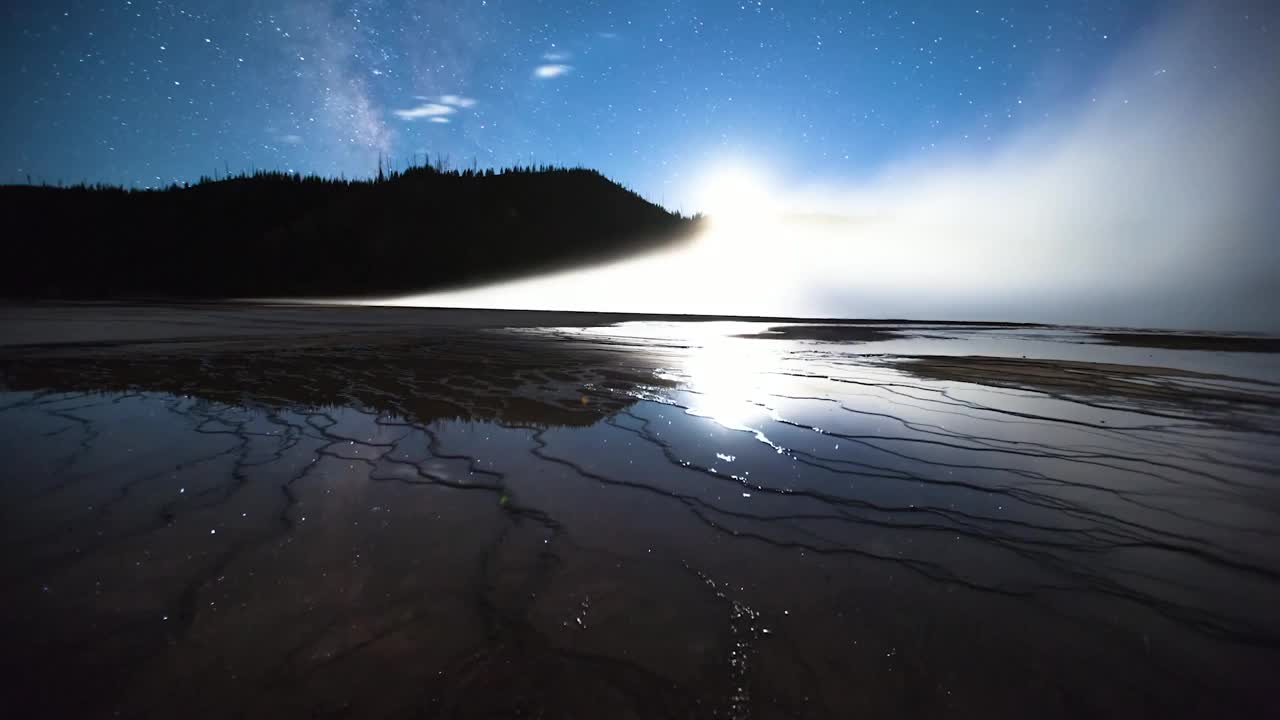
658 519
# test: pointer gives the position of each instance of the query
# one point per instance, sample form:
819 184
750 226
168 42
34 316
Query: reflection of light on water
731 376
730 379
723 375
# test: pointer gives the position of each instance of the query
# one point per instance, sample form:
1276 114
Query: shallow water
655 519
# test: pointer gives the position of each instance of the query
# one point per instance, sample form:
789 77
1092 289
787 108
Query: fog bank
1152 202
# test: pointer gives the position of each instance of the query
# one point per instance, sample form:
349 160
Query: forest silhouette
274 234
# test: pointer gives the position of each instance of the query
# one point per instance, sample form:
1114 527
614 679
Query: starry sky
148 92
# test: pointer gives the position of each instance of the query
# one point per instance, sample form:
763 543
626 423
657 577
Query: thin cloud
426 110
555 57
290 139
458 101
438 119
551 71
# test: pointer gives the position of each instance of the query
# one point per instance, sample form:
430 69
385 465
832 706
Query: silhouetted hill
281 235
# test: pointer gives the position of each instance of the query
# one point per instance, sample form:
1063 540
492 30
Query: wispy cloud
437 110
551 71
426 110
458 101
290 139
555 57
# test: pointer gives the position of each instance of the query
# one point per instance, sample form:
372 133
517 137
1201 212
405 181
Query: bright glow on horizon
735 194
1151 206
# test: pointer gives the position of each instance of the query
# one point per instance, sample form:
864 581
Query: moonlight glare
1153 204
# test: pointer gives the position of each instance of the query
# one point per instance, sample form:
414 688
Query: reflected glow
726 374
731 380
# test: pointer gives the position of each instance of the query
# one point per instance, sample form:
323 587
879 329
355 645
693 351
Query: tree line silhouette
275 234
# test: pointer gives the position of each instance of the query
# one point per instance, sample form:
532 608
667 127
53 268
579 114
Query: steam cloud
1154 204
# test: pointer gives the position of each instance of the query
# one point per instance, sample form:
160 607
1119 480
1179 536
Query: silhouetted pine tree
270 233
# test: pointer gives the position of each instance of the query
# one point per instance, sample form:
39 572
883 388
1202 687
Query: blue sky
142 92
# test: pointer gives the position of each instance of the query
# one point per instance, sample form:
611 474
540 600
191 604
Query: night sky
147 92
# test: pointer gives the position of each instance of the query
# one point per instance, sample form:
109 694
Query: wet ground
312 512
